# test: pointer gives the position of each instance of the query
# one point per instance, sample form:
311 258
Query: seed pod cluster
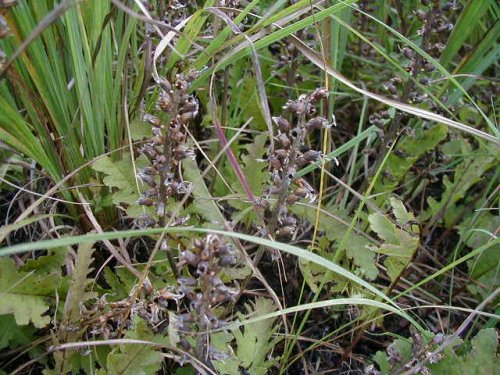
291 154
166 148
205 290
433 33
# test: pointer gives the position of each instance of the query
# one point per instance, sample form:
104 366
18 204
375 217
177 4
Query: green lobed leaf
24 293
120 177
397 167
14 335
135 359
482 359
253 344
470 171
356 245
399 244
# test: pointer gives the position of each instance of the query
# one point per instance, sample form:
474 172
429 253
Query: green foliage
77 293
135 359
257 173
26 294
119 176
69 329
412 147
253 344
466 174
14 335
400 242
484 269
334 224
481 359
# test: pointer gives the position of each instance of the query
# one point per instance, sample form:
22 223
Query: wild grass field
249 187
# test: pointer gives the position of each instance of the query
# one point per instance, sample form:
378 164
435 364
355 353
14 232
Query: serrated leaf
385 229
469 172
24 293
253 343
120 176
402 215
121 282
482 359
356 245
50 263
135 359
485 267
256 174
14 335
140 130
69 329
399 244
203 204
77 292
413 147
255 170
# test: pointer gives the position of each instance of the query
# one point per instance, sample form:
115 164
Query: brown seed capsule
301 161
227 260
292 198
445 28
286 230
316 123
148 151
391 88
145 201
147 179
301 192
408 53
145 221
188 116
274 162
318 94
176 136
153 120
181 85
190 106
165 102
377 122
150 171
291 106
182 152
261 202
158 140
281 154
165 85
190 258
282 123
151 193
284 141
312 155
